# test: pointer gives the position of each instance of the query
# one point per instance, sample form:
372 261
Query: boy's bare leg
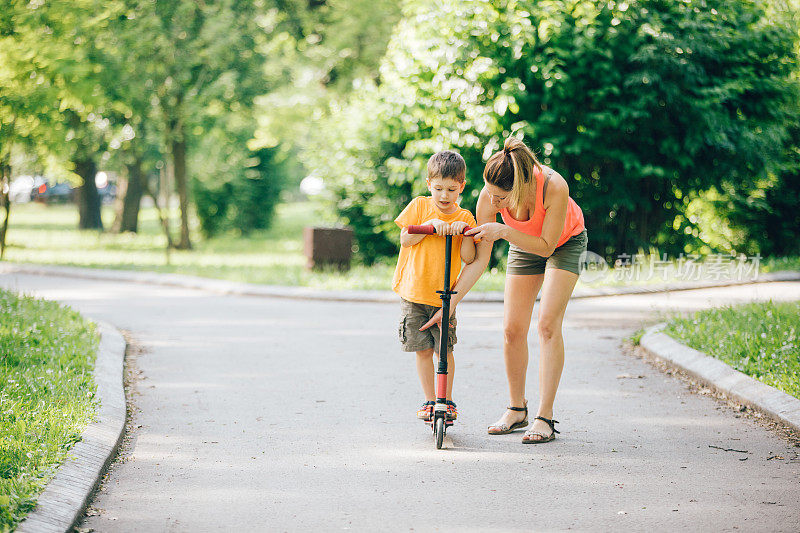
426 370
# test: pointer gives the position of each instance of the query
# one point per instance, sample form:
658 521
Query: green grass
46 396
773 264
48 235
761 340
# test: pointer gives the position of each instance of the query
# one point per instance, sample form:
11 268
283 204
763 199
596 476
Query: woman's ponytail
513 169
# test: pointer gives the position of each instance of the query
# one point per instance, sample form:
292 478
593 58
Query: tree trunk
87 197
179 167
129 199
5 199
162 216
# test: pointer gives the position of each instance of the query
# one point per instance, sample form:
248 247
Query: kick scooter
439 424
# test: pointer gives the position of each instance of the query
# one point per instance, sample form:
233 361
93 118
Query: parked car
20 189
46 192
107 193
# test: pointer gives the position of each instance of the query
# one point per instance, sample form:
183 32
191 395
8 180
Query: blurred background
201 137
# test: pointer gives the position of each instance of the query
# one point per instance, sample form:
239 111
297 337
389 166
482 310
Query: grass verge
758 339
47 393
48 235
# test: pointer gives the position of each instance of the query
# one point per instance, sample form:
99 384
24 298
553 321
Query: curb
769 400
304 293
66 496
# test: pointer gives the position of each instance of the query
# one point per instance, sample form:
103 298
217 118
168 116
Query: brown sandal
528 437
503 429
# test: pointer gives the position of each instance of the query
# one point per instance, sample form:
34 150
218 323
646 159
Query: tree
29 117
189 60
54 46
635 103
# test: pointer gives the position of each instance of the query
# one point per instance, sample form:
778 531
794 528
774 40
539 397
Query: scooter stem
441 372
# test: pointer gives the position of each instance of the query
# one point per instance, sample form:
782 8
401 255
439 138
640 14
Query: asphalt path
262 414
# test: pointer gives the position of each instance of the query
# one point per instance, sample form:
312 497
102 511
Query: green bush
638 104
235 188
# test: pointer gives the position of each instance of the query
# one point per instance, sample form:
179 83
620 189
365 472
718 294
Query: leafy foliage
636 103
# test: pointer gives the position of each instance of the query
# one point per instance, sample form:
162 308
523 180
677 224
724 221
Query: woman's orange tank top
573 224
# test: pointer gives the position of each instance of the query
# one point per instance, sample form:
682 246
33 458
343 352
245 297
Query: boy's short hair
447 165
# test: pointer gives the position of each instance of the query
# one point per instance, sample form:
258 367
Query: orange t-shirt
420 268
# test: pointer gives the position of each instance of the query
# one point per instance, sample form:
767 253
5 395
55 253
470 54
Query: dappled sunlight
253 323
677 421
368 332
194 386
451 451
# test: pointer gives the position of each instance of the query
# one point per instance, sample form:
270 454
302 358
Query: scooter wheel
439 431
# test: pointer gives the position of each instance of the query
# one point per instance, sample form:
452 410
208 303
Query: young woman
546 231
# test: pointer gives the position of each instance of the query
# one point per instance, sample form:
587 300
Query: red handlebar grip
421 230
426 230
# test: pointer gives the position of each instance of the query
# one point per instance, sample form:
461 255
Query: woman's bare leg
556 291
519 298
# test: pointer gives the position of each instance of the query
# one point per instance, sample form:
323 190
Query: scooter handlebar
427 229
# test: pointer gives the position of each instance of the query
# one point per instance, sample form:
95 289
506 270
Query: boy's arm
407 239
467 249
472 271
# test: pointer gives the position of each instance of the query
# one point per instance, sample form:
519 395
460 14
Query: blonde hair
447 165
513 169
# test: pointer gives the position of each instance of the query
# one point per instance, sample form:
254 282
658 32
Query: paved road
270 414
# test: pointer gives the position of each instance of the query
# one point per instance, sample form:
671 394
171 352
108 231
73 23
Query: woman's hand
436 319
490 232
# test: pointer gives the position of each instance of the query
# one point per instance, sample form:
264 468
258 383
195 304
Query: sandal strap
521 409
448 402
550 422
531 433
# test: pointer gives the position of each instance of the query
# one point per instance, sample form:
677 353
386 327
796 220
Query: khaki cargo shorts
565 257
412 317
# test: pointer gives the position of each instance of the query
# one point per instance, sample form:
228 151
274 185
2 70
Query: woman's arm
556 206
472 271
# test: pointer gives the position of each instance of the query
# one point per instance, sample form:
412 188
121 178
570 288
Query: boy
420 270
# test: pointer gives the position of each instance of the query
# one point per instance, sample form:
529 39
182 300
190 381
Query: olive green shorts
412 317
565 257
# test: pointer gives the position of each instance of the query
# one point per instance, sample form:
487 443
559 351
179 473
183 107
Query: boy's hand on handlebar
441 227
458 227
